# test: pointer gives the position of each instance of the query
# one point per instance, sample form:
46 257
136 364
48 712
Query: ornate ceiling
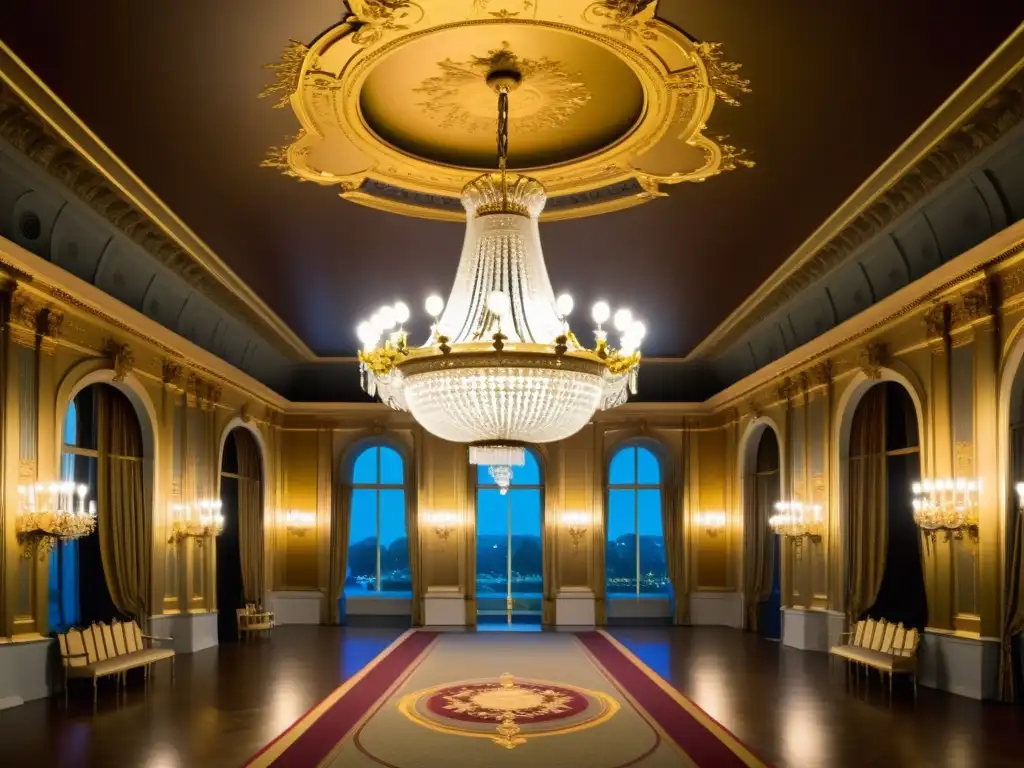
834 91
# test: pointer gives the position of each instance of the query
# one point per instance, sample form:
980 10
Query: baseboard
296 606
716 609
27 669
966 666
807 628
191 632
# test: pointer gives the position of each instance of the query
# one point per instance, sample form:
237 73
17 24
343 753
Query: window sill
358 596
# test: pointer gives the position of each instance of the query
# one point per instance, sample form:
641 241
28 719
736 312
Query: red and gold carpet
502 699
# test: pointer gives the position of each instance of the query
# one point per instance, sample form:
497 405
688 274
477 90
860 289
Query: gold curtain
1013 619
412 533
675 545
341 516
758 544
250 516
867 502
125 544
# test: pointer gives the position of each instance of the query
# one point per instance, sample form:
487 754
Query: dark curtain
759 580
901 595
250 516
230 593
1011 674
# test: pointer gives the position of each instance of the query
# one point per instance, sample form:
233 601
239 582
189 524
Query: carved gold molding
871 358
395 112
976 131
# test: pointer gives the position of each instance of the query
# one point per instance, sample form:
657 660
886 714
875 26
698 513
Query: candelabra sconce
49 513
576 525
948 506
297 523
208 525
712 523
442 523
796 521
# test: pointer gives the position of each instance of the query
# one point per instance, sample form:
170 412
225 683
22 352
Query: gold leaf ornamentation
624 18
286 74
378 17
732 157
549 95
277 157
723 76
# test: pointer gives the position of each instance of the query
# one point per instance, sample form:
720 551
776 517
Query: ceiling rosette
394 110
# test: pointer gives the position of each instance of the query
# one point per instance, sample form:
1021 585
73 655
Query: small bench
889 648
102 650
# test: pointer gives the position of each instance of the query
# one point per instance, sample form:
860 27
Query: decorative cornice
49 326
121 358
871 358
975 130
936 322
24 128
822 373
171 375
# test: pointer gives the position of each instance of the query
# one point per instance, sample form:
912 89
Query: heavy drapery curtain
675 548
867 503
250 516
757 578
341 515
123 519
1013 619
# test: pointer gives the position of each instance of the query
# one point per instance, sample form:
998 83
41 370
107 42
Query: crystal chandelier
796 521
946 505
53 512
209 524
501 368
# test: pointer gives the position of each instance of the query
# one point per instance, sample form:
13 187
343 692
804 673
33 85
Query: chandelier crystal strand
502 368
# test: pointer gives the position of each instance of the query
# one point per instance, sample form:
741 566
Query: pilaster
936 460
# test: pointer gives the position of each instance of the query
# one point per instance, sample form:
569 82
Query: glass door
509 565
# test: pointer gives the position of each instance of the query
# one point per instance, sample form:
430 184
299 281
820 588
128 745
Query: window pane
71 425
364 470
653 568
362 548
528 474
620 555
648 470
526 546
394 544
623 469
391 467
491 542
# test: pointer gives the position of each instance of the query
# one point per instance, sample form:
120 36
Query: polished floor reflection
788 706
794 709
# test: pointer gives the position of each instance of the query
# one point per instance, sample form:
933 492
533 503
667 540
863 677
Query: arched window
378 549
509 559
635 554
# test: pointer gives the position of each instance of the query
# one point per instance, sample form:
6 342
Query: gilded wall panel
300 456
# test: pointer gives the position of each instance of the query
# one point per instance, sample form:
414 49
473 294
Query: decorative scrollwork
286 74
723 76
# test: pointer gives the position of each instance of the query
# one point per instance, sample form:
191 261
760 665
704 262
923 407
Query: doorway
240 485
509 561
767 490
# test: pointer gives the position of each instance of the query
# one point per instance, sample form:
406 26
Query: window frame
377 487
513 486
635 487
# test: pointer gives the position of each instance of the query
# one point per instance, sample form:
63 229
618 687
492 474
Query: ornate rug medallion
507 710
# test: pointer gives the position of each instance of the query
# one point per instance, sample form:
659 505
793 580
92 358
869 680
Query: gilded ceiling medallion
459 96
394 108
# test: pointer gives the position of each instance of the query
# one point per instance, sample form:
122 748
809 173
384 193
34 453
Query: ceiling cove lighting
502 367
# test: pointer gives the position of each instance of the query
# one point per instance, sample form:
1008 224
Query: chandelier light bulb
498 302
434 305
623 319
387 318
401 310
564 305
601 312
637 330
366 334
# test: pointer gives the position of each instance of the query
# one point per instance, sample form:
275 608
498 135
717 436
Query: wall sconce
442 523
711 522
209 524
576 524
1020 496
297 523
796 521
947 505
52 512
